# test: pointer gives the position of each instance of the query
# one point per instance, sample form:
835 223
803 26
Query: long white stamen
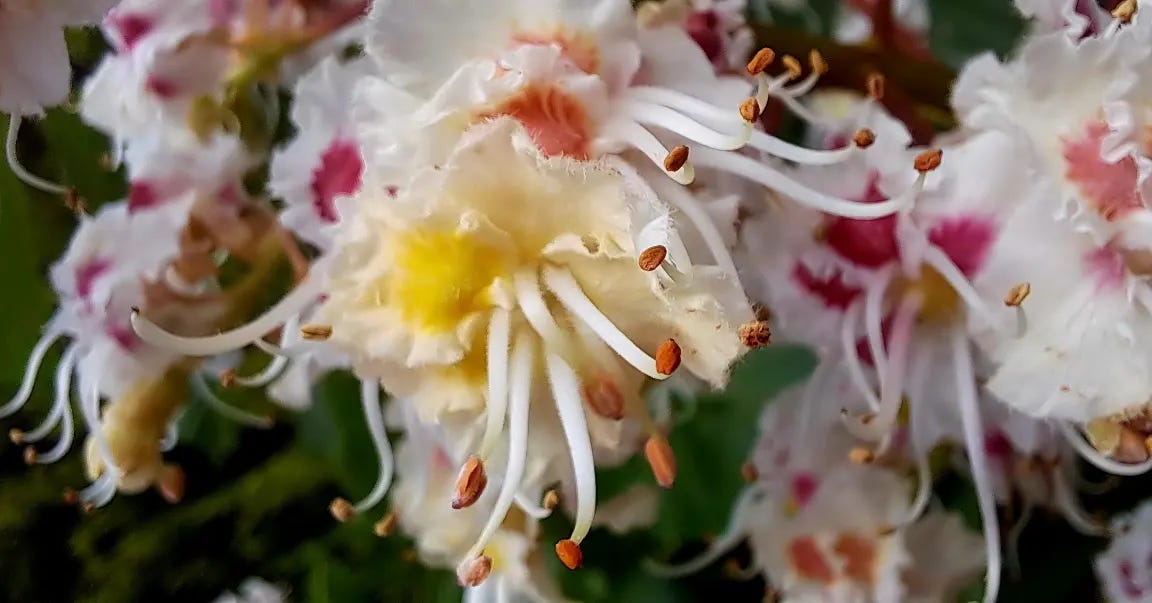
892 382
171 435
762 173
852 359
39 351
918 374
978 458
935 257
1090 454
14 162
531 509
1012 545
290 305
663 117
874 321
570 407
61 398
1069 505
224 409
561 282
90 410
531 303
279 361
521 394
374 416
101 491
681 199
728 120
644 141
499 336
61 411
734 533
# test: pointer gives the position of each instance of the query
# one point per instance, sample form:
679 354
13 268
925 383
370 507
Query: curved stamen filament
935 257
1012 543
171 435
978 458
499 336
279 361
852 359
665 118
60 401
1070 507
892 382
224 409
734 533
561 282
1090 454
687 203
290 305
761 173
39 351
61 411
374 416
101 491
644 141
570 407
14 162
521 393
874 322
531 303
531 509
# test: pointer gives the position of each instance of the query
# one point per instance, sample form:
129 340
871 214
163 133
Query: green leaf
80 153
215 436
960 30
333 429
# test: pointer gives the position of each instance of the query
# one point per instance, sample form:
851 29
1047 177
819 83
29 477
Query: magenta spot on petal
868 243
132 28
1107 267
337 175
966 241
162 87
392 191
222 11
142 195
864 351
803 488
123 336
997 444
703 27
230 195
1111 189
87 273
441 460
832 291
1128 580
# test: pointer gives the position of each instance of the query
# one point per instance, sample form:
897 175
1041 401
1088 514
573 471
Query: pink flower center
337 175
867 243
703 27
161 86
1110 189
142 195
997 444
555 120
132 28
803 488
86 275
966 240
1106 265
830 290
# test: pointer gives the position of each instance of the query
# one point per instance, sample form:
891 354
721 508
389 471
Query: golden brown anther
88 508
864 138
605 398
756 334
29 456
661 459
875 86
651 258
71 497
551 500
1125 11
570 554
227 378
171 484
861 455
792 65
470 483
668 357
1132 447
385 526
676 158
761 61
16 435
750 110
817 63
74 202
1017 295
928 160
749 472
474 572
342 510
316 332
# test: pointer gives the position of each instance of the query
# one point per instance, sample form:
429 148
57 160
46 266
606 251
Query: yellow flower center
441 277
940 302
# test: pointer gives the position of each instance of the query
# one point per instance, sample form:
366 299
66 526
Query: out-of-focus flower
255 590
1125 569
34 69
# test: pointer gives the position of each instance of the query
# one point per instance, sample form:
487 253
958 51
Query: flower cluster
516 217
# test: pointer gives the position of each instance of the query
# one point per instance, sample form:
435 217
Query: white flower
322 163
34 68
255 590
1125 569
